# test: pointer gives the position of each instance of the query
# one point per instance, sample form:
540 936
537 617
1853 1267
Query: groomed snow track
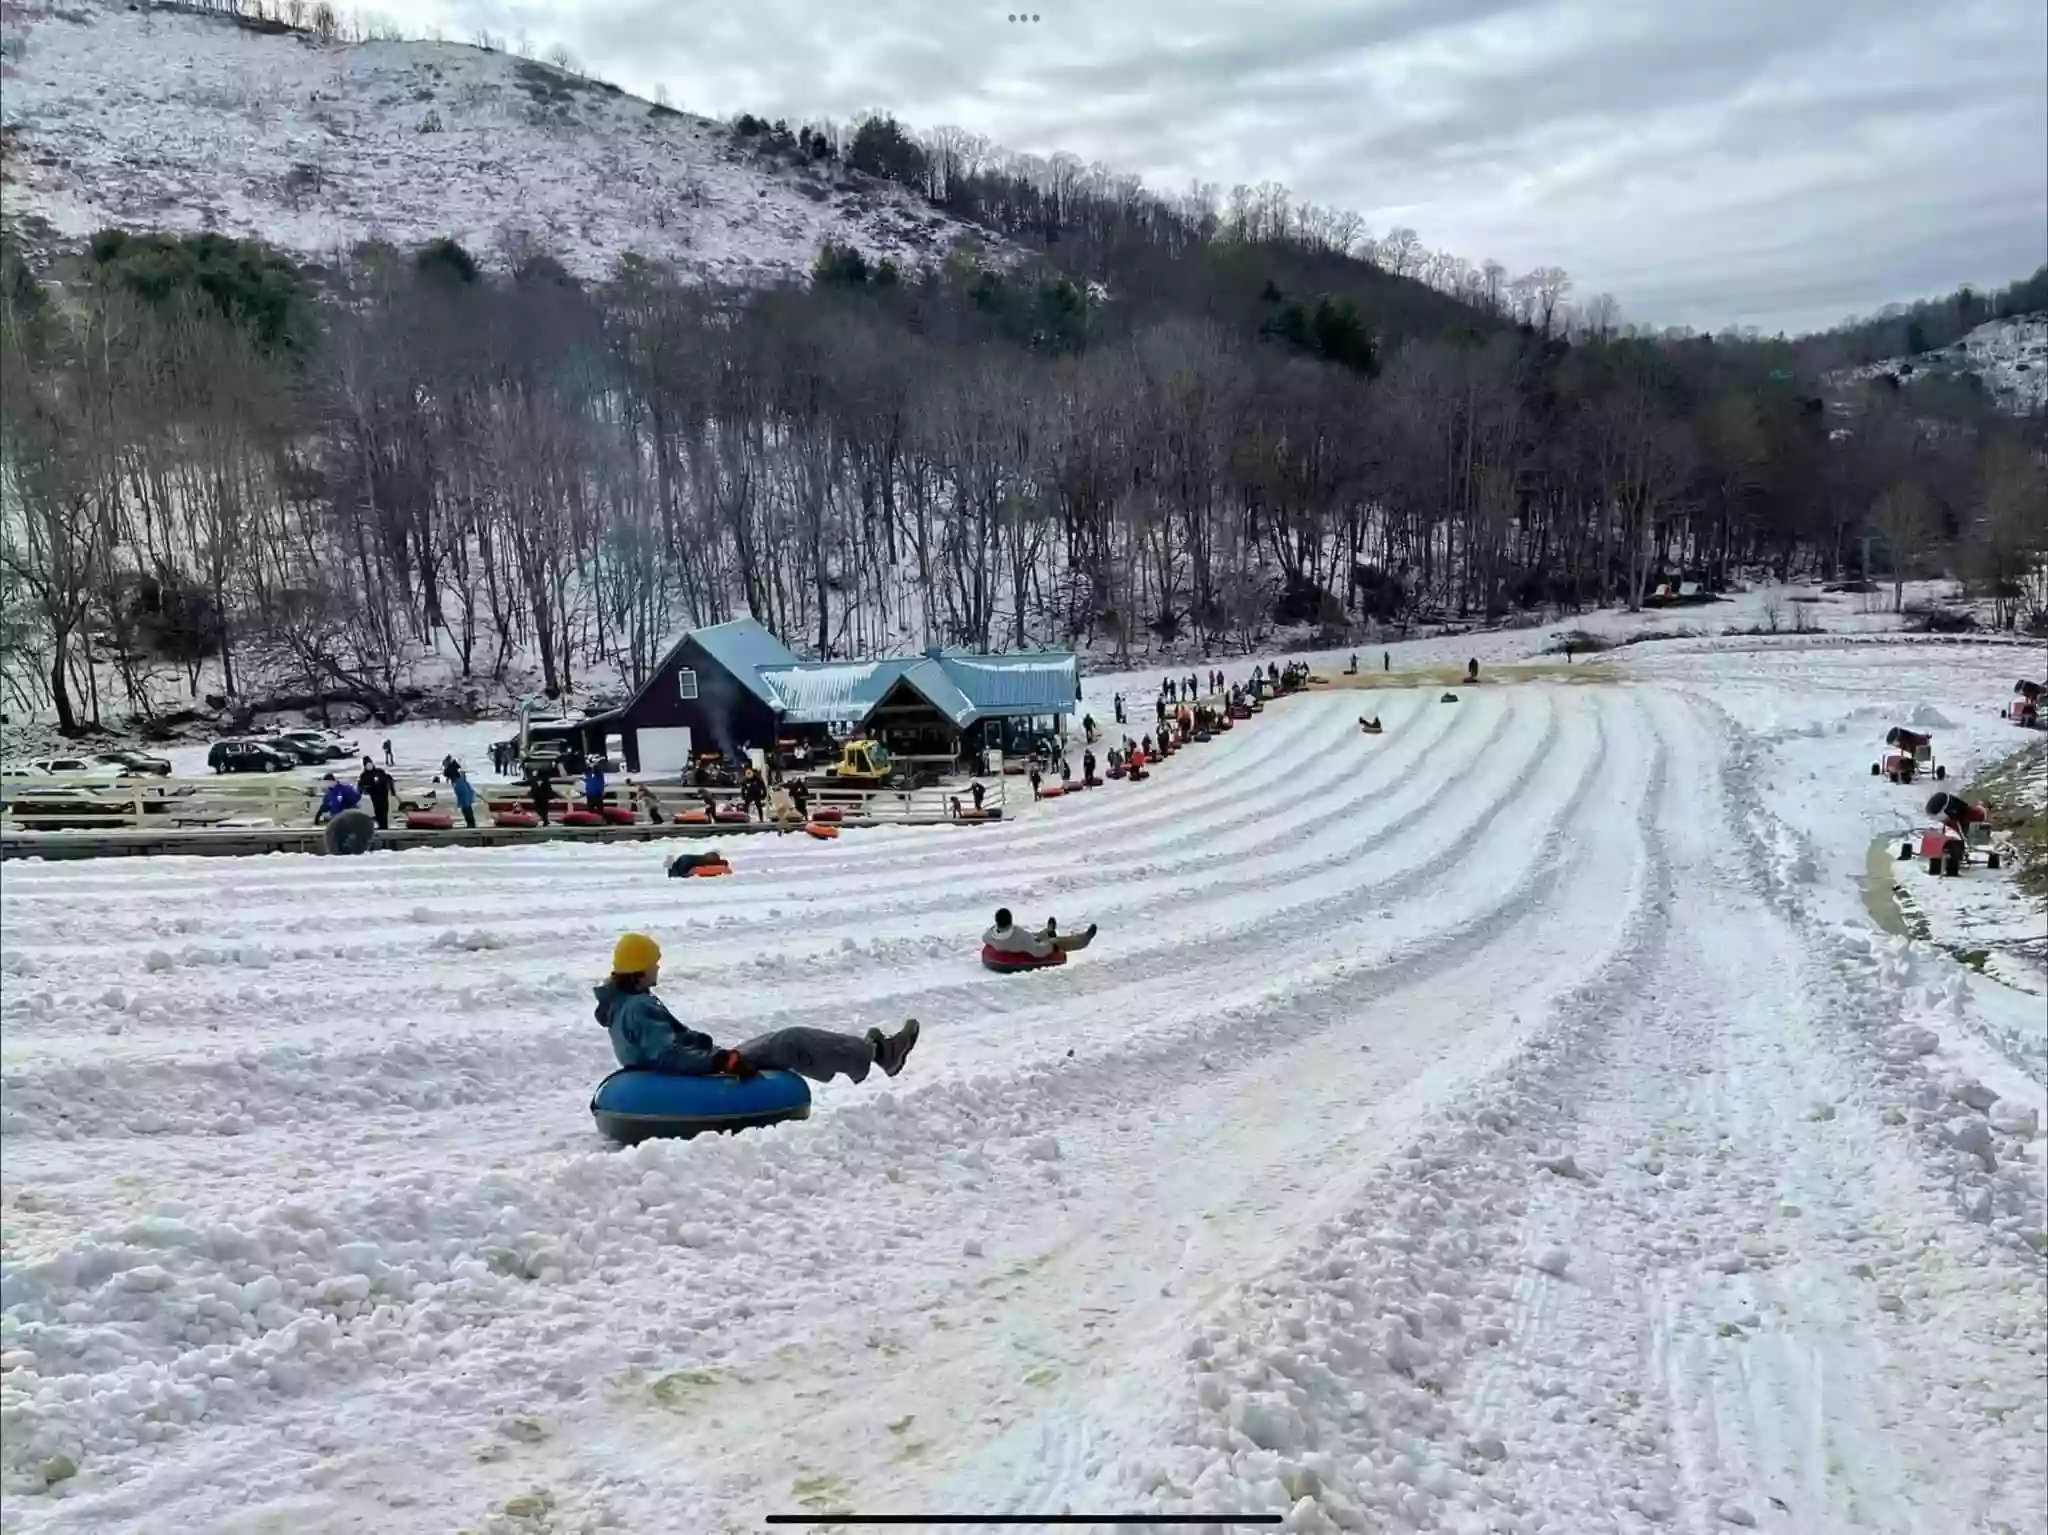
1467 1130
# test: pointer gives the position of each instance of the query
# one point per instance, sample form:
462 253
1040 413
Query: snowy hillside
169 120
1509 1124
2010 356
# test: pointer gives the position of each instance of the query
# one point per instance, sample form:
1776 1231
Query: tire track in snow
1259 1155
450 1224
348 891
157 1093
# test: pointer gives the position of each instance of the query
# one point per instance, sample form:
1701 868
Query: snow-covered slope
1510 1124
2010 356
165 119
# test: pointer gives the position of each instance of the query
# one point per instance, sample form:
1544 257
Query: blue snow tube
631 1106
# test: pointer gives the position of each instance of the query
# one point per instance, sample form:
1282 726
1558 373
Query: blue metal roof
744 648
961 685
1047 682
940 689
832 692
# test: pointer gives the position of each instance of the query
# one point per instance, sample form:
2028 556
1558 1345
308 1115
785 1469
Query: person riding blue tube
646 1036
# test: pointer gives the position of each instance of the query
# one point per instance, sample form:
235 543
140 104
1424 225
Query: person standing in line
542 794
389 760
593 789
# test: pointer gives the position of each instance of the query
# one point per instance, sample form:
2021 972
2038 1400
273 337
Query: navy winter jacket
339 797
647 1037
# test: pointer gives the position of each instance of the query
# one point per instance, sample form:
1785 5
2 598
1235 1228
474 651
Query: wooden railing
57 802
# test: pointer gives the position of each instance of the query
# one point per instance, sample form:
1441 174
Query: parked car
248 757
135 763
74 767
307 753
332 748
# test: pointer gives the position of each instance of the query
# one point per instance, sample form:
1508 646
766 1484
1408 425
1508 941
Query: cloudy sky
1778 163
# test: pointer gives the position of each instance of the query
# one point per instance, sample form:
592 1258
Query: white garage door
664 748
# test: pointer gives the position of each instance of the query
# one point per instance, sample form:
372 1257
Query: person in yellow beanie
646 1036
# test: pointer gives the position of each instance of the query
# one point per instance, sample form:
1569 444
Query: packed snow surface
1510 1123
148 118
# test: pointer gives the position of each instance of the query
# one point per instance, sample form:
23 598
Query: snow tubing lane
429 820
632 1106
351 832
1003 962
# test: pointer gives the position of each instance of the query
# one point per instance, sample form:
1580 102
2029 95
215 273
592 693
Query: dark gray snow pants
819 1054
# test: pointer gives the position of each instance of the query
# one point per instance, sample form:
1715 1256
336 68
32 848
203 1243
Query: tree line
344 479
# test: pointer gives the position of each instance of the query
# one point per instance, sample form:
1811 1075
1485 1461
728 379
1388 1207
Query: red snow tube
821 832
1003 962
1052 790
619 815
429 820
692 818
731 815
831 814
711 868
515 818
582 818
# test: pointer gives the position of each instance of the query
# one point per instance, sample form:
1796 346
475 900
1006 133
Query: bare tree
1905 522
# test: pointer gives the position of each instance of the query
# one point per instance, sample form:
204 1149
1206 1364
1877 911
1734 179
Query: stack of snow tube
1003 962
633 1106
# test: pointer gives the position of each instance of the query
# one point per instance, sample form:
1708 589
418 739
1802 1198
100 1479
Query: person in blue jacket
335 798
465 795
646 1036
593 789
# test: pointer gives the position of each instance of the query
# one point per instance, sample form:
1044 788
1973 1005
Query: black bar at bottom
1155 1520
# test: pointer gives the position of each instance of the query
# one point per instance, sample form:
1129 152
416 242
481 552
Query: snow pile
147 117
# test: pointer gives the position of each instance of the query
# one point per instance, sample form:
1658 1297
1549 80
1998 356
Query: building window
686 683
